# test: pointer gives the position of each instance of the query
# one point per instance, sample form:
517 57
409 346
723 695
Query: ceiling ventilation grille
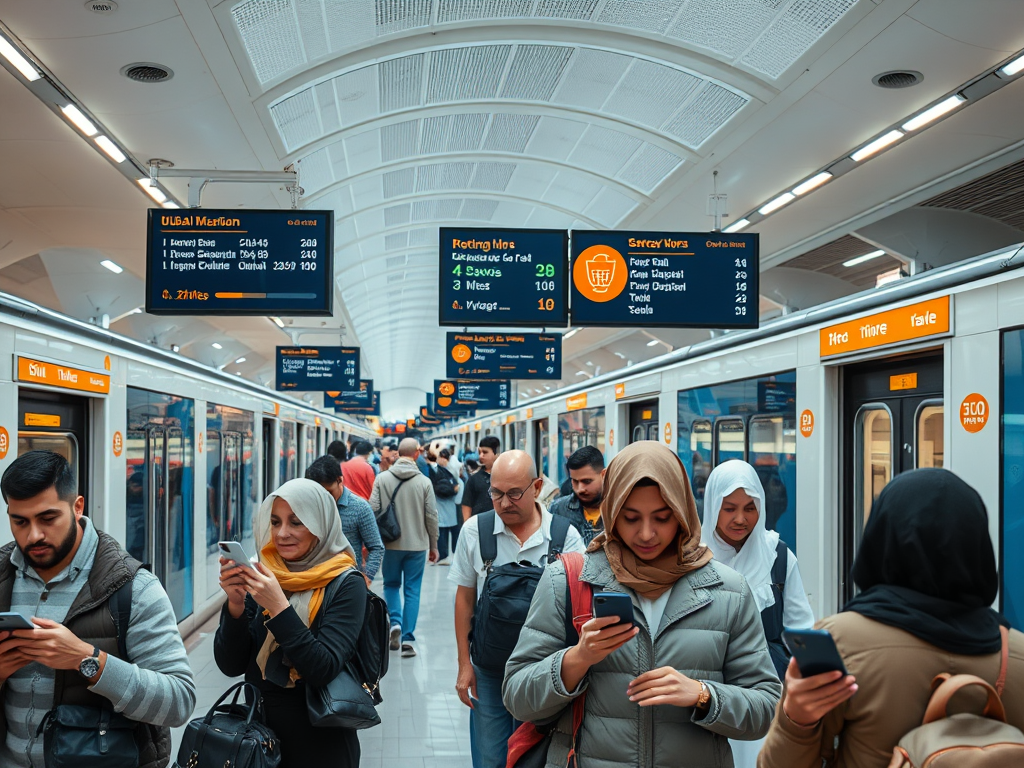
395 241
147 72
422 236
394 262
510 133
898 79
998 195
828 259
479 210
535 72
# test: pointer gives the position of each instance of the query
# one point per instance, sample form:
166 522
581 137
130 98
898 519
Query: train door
643 421
49 421
540 446
892 422
268 456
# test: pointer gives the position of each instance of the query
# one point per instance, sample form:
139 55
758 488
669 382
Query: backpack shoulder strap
121 608
781 564
394 493
559 529
488 538
578 597
1004 659
331 590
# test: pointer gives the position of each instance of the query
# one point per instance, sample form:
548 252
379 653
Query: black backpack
506 596
444 483
387 519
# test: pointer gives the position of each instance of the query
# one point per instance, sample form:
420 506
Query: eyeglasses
514 495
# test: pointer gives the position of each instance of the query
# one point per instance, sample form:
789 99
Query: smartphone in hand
232 550
613 604
11 620
814 650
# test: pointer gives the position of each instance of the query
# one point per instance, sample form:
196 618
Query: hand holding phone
232 550
11 620
617 604
816 680
814 650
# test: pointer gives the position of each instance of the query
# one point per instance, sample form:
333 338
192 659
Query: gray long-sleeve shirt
159 689
360 528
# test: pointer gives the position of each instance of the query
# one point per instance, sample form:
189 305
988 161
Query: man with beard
583 505
69 579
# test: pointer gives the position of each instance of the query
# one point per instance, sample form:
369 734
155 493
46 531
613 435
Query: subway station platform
423 723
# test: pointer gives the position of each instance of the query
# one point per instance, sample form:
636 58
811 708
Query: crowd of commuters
700 676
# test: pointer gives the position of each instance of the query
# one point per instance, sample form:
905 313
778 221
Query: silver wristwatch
90 667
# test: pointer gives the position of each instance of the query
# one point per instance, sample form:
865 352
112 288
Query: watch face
89 667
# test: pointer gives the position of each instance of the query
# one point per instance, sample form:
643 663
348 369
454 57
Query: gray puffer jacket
710 631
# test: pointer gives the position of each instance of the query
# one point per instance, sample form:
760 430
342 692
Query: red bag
528 746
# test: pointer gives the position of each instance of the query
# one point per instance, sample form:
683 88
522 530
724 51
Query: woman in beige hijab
279 629
691 672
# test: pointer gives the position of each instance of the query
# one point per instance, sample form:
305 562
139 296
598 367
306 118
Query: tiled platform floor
423 723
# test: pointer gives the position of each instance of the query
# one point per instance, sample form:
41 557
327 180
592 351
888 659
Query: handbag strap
580 609
1004 659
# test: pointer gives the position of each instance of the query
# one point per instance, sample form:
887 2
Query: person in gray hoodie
406 556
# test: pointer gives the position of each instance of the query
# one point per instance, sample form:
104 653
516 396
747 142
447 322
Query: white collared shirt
468 568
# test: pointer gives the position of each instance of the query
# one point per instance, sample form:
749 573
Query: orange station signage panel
62 376
911 323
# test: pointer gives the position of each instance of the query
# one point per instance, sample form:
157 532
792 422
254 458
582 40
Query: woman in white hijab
279 630
734 516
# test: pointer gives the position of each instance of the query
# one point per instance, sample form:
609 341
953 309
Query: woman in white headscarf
278 629
734 514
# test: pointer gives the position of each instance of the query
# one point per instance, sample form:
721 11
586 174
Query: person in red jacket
359 473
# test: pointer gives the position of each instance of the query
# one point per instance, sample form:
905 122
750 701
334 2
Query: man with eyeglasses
521 531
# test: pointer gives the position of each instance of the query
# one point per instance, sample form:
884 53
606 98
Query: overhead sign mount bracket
198 179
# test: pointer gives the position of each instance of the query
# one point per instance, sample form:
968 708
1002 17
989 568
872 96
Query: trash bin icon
600 272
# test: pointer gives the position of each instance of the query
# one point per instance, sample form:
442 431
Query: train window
540 446
873 451
64 443
268 457
700 460
289 453
1011 592
772 452
575 430
929 446
730 439
214 510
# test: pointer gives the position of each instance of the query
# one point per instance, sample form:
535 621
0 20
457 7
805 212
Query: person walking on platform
71 580
734 530
476 498
359 474
388 454
406 556
357 520
423 460
926 570
689 672
277 629
521 532
446 490
583 505
338 450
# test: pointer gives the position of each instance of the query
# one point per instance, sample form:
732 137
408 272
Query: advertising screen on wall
664 279
362 394
240 262
504 277
504 356
312 369
455 396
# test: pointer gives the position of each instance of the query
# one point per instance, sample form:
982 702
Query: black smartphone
613 604
814 650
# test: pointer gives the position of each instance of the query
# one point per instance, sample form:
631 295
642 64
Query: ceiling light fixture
171 204
653 342
136 311
83 123
278 322
1011 69
152 190
812 183
934 113
175 347
112 150
877 145
861 259
784 199
23 65
215 345
570 333
736 226
117 269
239 361
582 373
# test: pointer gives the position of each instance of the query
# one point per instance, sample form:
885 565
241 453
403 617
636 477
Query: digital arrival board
664 279
454 396
504 277
240 262
371 408
311 369
361 395
504 356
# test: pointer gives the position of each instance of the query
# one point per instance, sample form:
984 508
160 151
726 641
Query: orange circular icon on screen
444 402
5 443
974 413
806 423
118 443
447 388
461 353
600 273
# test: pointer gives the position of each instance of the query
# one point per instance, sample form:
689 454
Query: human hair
325 470
646 482
338 450
34 472
362 448
472 465
587 456
390 445
491 442
444 454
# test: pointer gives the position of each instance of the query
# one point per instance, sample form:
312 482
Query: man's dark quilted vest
89 617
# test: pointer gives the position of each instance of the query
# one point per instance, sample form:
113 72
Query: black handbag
75 736
387 520
234 734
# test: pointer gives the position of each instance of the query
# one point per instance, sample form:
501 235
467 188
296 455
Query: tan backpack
963 740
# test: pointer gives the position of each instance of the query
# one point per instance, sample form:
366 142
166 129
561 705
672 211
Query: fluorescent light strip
20 63
736 226
215 345
112 150
934 113
877 145
117 269
784 199
1010 69
170 204
239 361
812 183
83 123
862 259
152 190
278 322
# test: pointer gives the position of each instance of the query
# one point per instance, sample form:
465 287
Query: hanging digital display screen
664 279
361 395
240 262
455 396
370 409
504 356
311 369
503 277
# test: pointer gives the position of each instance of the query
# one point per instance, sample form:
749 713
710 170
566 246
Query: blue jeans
490 724
403 575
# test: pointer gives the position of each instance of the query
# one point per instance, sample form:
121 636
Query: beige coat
414 503
894 671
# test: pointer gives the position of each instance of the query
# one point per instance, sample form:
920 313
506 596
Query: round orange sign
668 432
600 273
444 402
974 413
461 353
446 388
806 423
118 443
611 437
5 443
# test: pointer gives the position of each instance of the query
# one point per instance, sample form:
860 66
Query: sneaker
446 561
407 650
395 637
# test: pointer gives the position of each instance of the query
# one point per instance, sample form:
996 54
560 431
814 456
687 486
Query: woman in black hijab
927 574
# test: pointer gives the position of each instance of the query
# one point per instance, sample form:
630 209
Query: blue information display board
664 279
362 394
372 408
504 277
504 356
311 369
455 396
240 262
